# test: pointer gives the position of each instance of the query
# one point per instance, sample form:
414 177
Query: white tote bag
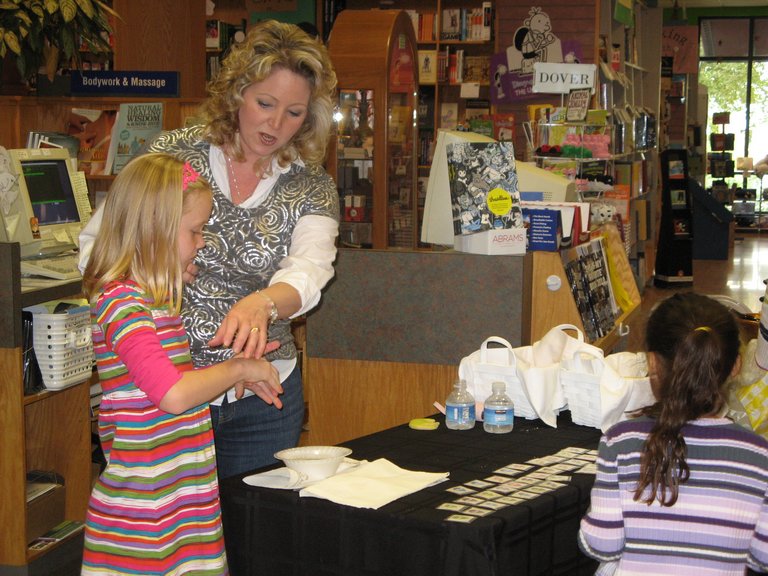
531 373
492 364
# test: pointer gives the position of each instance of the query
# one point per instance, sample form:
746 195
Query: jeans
248 432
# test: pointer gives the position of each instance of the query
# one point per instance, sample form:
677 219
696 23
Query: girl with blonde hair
155 507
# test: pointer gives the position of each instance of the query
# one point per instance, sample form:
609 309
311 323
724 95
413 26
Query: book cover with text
137 124
483 186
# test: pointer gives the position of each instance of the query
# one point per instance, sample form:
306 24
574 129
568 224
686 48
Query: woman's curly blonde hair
271 45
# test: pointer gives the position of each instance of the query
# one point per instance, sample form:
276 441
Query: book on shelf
220 35
450 24
213 34
467 24
678 198
477 69
37 489
456 67
93 129
421 189
137 124
476 108
44 139
440 211
427 66
449 115
676 169
426 111
443 57
681 226
58 533
486 27
481 125
423 25
503 126
544 229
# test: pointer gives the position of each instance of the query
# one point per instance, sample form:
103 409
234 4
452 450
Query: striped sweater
155 508
719 523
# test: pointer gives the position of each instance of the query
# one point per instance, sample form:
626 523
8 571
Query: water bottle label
460 414
500 417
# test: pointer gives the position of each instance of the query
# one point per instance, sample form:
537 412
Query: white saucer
287 479
282 478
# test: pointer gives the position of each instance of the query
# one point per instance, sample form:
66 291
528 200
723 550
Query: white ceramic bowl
314 462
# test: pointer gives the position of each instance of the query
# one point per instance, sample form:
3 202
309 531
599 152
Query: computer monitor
553 187
46 203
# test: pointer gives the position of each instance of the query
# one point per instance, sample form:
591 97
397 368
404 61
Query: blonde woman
270 242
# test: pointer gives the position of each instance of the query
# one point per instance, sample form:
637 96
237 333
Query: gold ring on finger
254 329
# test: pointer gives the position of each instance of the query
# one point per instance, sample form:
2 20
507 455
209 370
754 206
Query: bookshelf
25 113
459 39
48 431
629 89
456 39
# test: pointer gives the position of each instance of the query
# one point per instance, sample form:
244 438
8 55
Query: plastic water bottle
460 408
499 410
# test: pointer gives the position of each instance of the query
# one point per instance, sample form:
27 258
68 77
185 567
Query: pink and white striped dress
155 509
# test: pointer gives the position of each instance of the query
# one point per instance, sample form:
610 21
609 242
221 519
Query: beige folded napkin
372 484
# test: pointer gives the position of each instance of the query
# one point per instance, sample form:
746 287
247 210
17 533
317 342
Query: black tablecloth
275 532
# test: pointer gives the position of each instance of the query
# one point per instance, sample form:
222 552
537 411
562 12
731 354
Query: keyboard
61 267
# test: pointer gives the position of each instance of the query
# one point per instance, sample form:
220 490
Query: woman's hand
245 327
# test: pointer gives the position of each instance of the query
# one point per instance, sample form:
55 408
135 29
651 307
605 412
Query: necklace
236 192
239 197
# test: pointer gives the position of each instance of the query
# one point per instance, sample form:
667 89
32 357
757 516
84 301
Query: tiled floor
741 278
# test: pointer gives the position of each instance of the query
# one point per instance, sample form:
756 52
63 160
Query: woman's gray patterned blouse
243 247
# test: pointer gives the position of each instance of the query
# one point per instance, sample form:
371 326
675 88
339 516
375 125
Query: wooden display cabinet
372 156
48 431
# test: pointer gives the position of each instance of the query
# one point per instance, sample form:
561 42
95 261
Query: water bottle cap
499 386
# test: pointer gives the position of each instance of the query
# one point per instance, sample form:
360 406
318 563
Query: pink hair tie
188 176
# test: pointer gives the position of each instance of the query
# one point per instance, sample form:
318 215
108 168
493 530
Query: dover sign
560 78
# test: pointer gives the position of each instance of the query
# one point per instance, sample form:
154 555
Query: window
733 65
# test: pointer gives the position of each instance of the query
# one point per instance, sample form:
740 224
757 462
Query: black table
275 532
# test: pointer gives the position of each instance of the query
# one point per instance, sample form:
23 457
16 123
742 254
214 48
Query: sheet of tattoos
518 482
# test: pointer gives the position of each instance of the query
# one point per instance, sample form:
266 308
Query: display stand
714 226
674 255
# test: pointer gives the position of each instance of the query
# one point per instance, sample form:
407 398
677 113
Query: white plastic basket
603 391
63 347
582 391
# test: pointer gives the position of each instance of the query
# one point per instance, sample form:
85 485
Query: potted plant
51 33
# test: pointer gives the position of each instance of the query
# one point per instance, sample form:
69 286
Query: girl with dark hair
681 489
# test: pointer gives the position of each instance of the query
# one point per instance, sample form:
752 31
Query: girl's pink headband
188 176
